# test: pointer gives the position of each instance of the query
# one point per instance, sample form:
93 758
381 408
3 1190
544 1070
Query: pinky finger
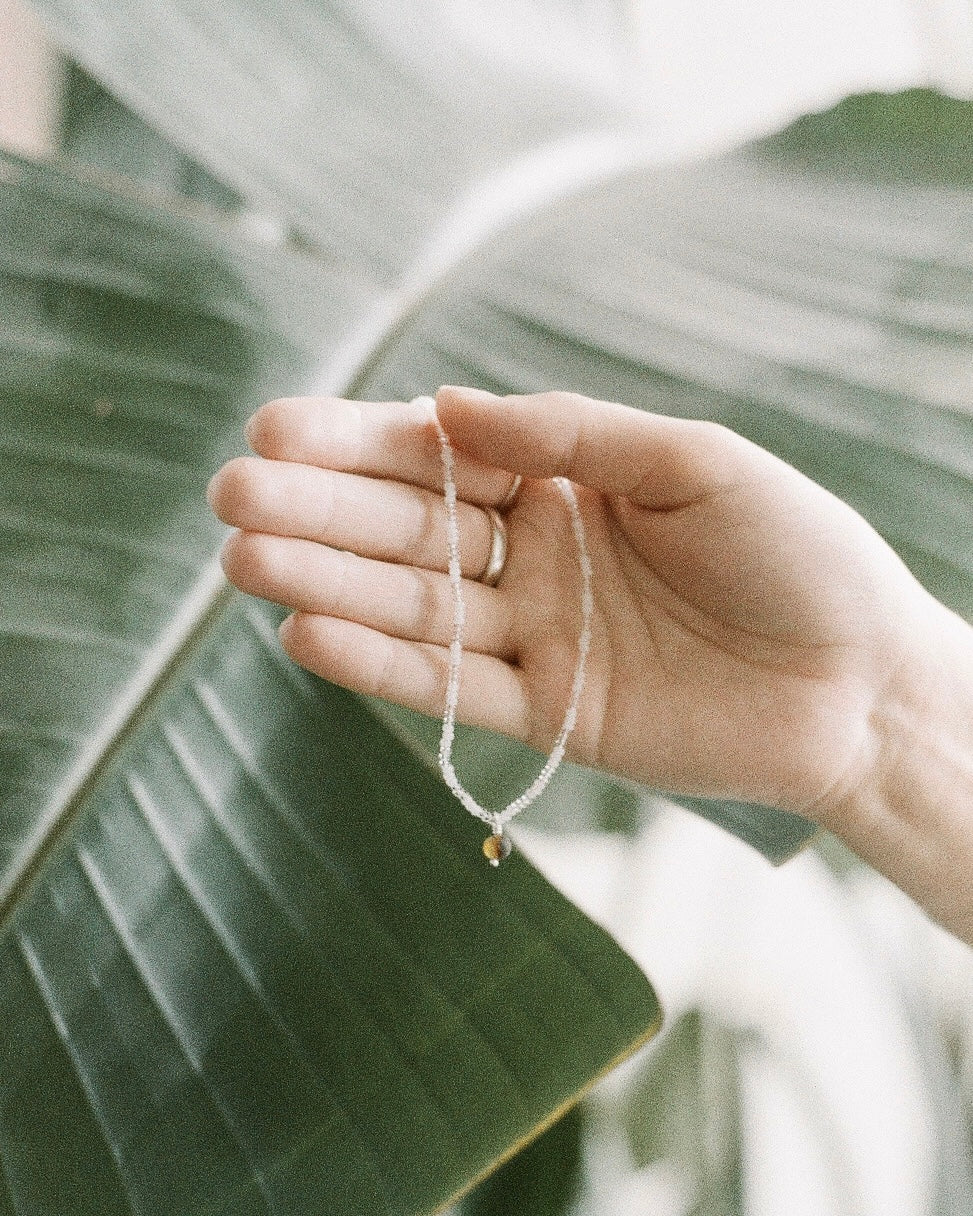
409 673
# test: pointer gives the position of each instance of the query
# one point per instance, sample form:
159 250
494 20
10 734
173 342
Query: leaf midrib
211 596
198 613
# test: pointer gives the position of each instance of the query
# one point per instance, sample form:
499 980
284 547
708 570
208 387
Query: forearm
913 819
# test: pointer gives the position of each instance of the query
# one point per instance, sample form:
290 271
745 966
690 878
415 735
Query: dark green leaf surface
133 341
543 1180
252 958
496 769
272 973
262 967
826 315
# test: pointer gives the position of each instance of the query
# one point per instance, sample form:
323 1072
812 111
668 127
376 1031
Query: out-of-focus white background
850 994
29 82
705 74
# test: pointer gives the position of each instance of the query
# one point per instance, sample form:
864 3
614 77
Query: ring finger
385 520
401 601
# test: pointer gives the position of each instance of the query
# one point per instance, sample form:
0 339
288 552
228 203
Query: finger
659 462
388 439
409 673
385 520
401 601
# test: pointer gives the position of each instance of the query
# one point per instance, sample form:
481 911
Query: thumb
657 461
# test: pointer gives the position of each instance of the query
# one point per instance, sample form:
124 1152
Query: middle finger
386 520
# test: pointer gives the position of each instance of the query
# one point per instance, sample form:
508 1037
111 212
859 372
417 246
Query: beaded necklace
497 845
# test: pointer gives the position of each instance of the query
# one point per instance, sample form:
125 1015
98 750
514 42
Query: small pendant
496 848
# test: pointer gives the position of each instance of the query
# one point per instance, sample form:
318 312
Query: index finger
660 462
395 440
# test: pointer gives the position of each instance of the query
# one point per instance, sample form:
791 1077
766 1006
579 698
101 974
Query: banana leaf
821 309
99 131
684 1107
543 1179
338 118
252 959
811 291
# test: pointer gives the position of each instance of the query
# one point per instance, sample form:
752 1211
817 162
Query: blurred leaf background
232 202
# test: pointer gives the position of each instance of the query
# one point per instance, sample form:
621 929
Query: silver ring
510 497
498 549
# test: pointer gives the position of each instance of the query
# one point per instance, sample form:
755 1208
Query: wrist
911 814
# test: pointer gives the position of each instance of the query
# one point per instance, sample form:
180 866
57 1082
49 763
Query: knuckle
556 397
571 438
417 533
419 605
715 435
707 460
337 589
384 675
705 429
724 450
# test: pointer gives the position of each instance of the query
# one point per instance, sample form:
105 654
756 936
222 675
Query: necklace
497 845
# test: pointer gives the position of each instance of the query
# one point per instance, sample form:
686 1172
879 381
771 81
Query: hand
748 625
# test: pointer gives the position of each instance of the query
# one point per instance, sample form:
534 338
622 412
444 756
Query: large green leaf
99 131
132 342
825 315
173 946
336 117
252 959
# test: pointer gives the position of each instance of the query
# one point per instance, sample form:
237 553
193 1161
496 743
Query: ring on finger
510 497
498 549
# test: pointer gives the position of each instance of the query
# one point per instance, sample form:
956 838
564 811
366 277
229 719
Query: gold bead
496 848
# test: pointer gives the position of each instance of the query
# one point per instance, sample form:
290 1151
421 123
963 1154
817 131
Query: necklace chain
498 819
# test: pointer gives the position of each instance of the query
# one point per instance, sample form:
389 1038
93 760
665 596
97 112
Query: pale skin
753 637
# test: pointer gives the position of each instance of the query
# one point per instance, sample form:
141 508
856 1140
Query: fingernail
472 394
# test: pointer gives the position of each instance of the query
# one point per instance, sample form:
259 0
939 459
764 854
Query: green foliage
98 130
543 1180
252 961
914 136
684 1107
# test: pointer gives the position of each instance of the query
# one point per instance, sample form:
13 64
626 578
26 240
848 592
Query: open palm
746 621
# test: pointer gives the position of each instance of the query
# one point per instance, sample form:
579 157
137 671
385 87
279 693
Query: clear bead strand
498 819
